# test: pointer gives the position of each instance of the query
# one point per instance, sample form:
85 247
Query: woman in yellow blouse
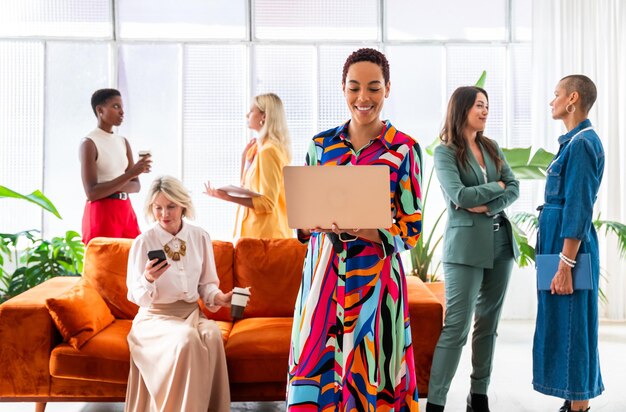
262 165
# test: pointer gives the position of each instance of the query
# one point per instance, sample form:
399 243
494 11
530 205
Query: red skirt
109 218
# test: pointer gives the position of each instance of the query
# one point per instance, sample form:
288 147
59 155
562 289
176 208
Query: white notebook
238 191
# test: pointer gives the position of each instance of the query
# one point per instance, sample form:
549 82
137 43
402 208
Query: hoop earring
570 106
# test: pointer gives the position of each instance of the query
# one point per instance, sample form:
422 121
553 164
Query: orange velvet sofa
37 366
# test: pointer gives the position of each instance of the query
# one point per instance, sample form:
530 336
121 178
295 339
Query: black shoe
431 407
567 407
477 402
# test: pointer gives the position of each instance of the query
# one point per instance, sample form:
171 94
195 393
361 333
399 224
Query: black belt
497 222
118 195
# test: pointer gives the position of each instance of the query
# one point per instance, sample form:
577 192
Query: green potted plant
35 259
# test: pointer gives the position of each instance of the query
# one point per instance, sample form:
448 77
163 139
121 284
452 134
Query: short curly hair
101 96
366 55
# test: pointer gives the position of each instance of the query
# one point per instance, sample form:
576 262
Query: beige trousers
177 361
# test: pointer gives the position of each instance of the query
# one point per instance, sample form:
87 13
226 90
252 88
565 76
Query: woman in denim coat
565 352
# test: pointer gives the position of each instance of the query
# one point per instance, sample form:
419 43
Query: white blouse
484 170
193 276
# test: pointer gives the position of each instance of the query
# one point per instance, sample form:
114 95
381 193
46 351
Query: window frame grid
250 41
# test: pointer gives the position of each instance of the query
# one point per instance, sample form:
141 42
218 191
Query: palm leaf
529 221
617 228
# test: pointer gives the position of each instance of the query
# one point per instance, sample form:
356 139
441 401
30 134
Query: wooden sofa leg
40 406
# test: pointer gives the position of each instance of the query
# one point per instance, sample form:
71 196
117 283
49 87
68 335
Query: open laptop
352 197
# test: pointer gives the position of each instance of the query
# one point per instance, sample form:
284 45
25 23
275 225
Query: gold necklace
180 251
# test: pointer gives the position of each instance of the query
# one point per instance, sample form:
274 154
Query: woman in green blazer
479 248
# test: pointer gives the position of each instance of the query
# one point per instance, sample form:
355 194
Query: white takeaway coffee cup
239 302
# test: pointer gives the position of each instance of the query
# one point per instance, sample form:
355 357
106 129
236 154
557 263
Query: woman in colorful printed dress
351 340
566 363
262 165
479 247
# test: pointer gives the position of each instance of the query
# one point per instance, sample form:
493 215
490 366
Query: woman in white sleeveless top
109 172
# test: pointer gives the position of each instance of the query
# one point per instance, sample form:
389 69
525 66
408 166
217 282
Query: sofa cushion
224 255
106 260
257 350
273 270
426 314
79 314
105 268
105 358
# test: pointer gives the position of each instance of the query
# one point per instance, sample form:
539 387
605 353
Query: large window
188 70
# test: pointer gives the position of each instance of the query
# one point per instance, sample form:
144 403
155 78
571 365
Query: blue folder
548 264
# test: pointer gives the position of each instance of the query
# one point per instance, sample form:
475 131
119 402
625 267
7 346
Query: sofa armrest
27 337
426 314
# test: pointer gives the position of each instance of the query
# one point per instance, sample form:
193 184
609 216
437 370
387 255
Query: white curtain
588 37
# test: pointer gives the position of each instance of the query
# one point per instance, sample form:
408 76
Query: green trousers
477 292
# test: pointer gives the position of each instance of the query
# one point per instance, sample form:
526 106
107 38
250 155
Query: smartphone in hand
157 254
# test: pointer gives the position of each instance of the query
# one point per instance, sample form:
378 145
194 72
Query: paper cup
239 302
143 153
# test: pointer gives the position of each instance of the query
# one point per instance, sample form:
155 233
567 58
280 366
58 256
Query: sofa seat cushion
258 350
104 358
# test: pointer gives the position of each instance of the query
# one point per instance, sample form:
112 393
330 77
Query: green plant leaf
529 222
482 79
542 158
430 149
525 167
39 260
71 247
527 252
528 173
517 156
617 228
16 282
36 197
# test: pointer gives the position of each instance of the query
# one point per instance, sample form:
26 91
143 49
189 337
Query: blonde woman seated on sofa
177 355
